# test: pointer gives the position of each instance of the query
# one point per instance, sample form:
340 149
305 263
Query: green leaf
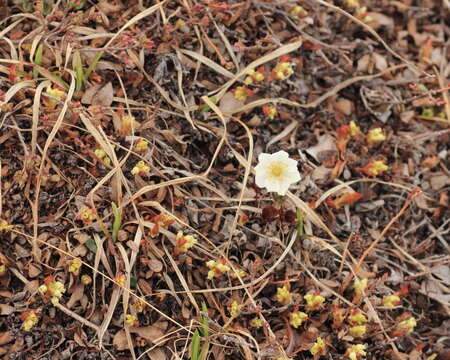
93 64
91 245
48 6
79 74
27 5
195 345
38 59
300 228
205 321
206 107
51 76
117 221
204 352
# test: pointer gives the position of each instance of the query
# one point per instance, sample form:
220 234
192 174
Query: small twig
345 252
77 317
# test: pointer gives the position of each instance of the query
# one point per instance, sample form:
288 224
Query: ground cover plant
197 179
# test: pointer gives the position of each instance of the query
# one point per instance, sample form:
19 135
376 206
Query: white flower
276 172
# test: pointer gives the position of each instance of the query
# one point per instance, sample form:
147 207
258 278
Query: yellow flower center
276 170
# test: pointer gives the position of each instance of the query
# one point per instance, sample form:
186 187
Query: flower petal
281 155
291 162
293 176
283 188
261 179
263 157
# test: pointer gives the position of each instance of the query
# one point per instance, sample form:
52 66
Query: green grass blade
204 352
195 345
300 228
91 67
205 321
79 74
38 59
117 221
51 76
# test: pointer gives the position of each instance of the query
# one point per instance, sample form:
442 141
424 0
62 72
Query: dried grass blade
35 116
208 62
109 314
182 281
228 46
13 90
292 126
126 297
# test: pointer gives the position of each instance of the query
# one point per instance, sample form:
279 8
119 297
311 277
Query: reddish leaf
289 217
270 213
345 199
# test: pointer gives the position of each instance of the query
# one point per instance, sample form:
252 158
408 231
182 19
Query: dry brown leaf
430 162
307 338
344 106
155 265
108 7
363 63
380 61
104 96
422 202
89 94
229 104
99 95
82 237
6 337
80 251
442 272
120 340
77 294
438 182
157 354
33 271
31 286
150 333
432 290
325 145
145 287
381 20
321 174
6 309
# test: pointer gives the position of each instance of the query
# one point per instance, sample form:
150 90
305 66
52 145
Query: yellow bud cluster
140 168
318 347
297 318
52 289
284 296
30 318
101 154
355 352
235 308
184 242
216 268
5 226
375 136
313 301
74 266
